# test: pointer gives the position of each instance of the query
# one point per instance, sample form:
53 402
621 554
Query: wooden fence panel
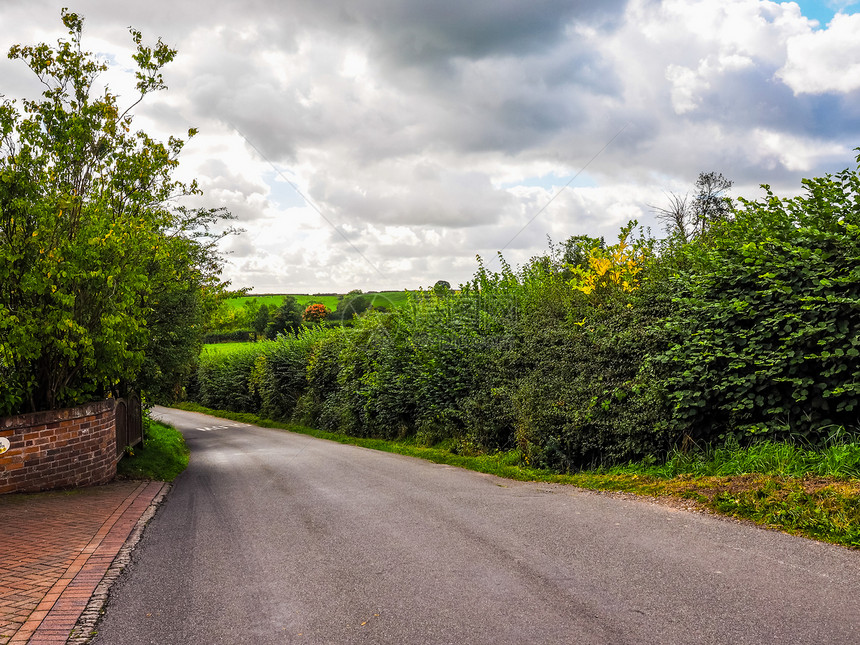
121 420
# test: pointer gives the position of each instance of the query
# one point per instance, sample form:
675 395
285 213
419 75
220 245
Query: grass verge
163 456
821 507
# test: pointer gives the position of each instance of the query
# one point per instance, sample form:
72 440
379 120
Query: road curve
274 537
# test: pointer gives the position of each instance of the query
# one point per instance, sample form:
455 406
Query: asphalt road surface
273 537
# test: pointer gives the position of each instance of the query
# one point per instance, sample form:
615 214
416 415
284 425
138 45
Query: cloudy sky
383 144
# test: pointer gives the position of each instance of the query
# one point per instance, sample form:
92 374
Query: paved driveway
272 537
55 548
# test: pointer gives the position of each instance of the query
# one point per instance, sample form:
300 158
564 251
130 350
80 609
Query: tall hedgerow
224 380
279 374
768 325
596 353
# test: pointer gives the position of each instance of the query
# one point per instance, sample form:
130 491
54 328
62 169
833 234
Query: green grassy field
277 299
387 299
228 348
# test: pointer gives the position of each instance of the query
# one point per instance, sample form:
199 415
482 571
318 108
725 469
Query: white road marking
222 427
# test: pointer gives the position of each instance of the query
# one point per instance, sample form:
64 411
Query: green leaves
90 249
771 308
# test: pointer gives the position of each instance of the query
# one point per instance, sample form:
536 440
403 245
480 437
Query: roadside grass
815 494
162 457
839 458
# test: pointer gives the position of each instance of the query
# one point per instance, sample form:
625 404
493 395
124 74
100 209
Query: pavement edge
84 630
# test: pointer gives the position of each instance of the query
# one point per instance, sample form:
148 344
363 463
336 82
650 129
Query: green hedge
750 331
236 336
768 328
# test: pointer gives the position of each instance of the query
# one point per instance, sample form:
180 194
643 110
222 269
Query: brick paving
55 548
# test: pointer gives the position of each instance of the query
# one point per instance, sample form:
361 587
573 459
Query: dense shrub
236 336
768 327
588 395
324 403
224 380
265 378
279 376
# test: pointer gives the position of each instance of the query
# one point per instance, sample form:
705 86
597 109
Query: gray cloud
427 132
420 34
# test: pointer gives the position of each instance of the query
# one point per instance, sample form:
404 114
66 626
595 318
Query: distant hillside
388 299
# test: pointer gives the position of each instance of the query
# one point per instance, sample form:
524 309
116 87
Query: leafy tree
315 313
247 313
578 249
95 255
286 319
441 287
261 319
185 293
687 219
353 303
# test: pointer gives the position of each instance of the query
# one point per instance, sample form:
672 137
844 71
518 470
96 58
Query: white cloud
687 88
799 154
827 60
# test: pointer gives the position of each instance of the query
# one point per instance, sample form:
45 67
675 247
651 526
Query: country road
273 537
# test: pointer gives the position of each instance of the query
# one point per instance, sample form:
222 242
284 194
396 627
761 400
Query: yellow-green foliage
614 267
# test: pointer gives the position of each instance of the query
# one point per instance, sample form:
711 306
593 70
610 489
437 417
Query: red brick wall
59 448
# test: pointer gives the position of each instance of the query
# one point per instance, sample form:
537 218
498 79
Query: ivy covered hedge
598 354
